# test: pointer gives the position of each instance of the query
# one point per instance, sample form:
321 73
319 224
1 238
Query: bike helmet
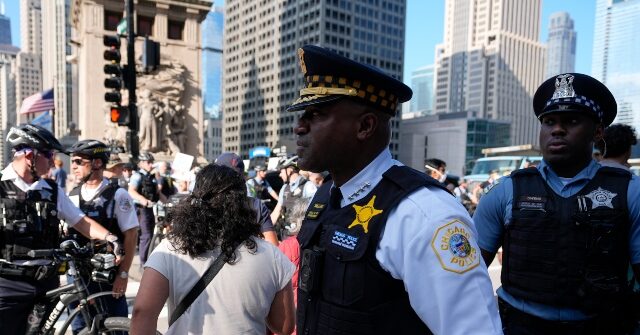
260 167
91 149
32 136
145 156
290 162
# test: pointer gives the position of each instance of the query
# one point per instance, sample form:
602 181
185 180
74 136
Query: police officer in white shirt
385 248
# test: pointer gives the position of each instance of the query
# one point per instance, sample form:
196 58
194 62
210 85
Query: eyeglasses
79 161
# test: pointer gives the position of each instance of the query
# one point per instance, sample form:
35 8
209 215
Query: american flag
39 102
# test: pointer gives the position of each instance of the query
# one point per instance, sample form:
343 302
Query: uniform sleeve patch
452 245
125 204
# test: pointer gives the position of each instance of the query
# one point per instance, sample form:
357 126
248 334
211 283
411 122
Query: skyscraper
261 73
5 26
422 81
31 26
561 45
615 62
56 72
29 73
8 55
491 62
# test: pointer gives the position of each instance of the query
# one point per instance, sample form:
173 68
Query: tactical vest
260 189
100 208
290 196
571 252
343 289
148 187
29 220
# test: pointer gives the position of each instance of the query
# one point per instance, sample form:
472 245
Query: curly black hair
217 213
618 138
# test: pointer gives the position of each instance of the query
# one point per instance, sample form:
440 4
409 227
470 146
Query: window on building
175 30
111 20
145 26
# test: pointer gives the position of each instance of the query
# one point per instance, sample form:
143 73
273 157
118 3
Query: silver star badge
99 201
44 194
601 197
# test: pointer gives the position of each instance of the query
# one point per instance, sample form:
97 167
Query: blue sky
425 27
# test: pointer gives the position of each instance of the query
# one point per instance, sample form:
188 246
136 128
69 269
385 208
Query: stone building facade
169 98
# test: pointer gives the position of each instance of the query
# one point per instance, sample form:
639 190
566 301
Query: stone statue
150 137
163 126
176 129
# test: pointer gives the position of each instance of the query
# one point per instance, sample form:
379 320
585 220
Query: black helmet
145 156
32 136
91 149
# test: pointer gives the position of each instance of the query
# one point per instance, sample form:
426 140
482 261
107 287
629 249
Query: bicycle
42 321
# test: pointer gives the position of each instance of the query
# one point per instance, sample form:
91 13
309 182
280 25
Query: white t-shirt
238 299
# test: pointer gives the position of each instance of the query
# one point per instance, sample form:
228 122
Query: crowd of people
354 242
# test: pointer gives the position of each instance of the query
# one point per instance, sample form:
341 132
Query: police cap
329 76
575 92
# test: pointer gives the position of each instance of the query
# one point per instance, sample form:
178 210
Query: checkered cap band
367 92
579 100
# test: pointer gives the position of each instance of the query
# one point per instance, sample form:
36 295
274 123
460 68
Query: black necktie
335 198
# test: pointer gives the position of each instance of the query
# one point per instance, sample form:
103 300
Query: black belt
516 322
38 272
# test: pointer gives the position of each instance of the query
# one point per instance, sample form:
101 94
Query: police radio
311 269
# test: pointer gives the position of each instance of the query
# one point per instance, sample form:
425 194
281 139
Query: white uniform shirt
449 290
308 189
124 210
67 211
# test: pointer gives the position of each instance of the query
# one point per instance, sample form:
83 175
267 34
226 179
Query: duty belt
37 272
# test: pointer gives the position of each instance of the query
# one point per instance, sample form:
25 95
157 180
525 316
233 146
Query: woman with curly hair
251 291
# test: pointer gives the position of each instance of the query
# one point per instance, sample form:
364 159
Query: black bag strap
200 285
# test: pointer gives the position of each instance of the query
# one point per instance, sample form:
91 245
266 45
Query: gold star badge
364 214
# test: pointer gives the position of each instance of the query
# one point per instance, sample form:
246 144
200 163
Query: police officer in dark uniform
145 192
385 248
570 228
31 211
110 205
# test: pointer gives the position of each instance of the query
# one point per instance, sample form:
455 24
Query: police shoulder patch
125 204
452 245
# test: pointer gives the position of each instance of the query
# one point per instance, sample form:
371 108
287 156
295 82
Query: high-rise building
212 37
31 26
615 55
262 75
28 80
491 62
8 55
29 76
56 72
422 81
561 45
5 26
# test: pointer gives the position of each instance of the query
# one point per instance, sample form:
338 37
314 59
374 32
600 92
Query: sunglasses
79 161
47 154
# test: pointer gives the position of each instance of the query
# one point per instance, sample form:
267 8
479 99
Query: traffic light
150 55
114 81
120 115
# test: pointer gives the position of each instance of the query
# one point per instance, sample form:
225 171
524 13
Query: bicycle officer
31 210
144 189
111 206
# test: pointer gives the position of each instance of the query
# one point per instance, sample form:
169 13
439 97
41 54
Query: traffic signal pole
132 134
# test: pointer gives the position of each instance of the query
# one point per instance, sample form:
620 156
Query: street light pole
134 143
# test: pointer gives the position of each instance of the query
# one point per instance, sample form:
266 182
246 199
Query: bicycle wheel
114 324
